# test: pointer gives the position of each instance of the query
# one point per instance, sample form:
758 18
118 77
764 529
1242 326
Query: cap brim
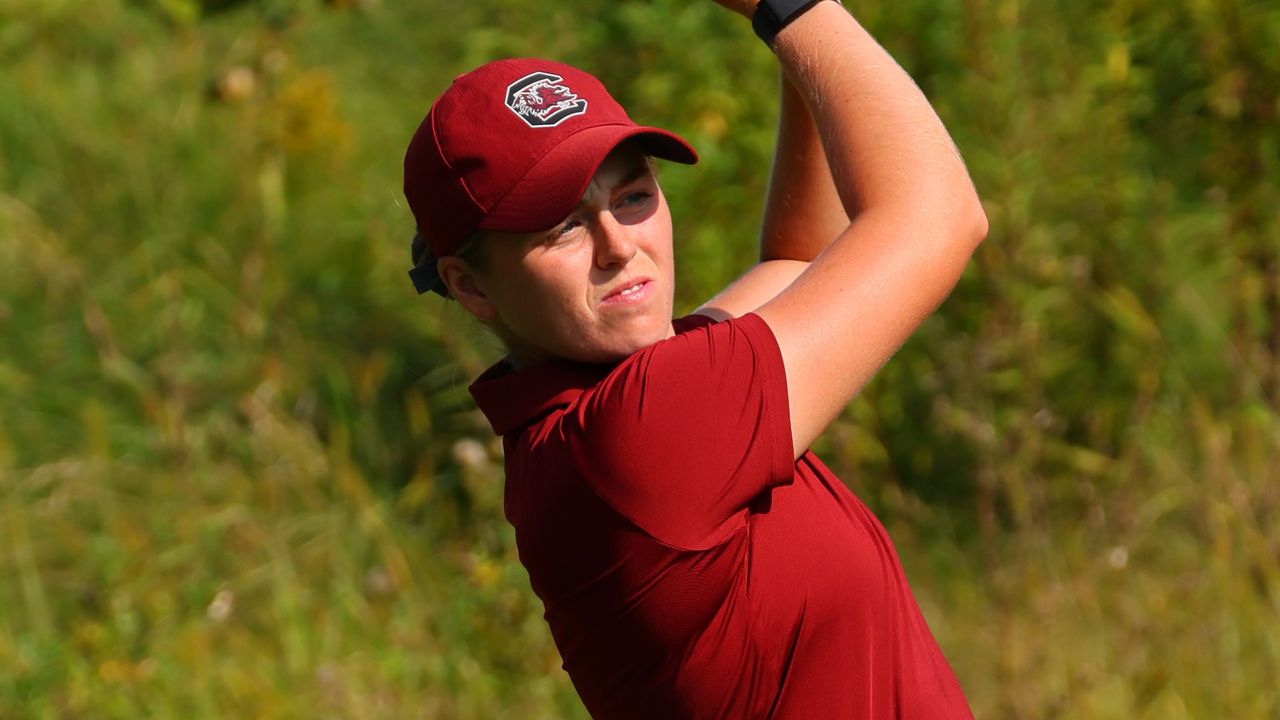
554 186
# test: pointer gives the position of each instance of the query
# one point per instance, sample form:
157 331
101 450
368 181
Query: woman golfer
694 558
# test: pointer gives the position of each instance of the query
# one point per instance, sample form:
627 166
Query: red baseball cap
511 146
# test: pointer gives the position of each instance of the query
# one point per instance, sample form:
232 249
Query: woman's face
595 288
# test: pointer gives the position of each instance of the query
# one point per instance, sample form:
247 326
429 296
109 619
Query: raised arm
803 213
916 218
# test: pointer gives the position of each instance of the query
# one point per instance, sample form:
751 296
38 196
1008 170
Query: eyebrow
636 173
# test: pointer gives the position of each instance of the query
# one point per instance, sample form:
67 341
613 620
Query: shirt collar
512 398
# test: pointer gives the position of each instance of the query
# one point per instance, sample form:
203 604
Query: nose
614 246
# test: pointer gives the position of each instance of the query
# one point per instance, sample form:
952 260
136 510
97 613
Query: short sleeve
681 437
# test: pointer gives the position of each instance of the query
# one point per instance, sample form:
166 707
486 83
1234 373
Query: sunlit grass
240 475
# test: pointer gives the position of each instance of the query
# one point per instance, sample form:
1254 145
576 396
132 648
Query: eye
562 231
639 197
567 227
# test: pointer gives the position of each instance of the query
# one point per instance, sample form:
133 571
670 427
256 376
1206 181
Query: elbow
959 217
976 223
967 219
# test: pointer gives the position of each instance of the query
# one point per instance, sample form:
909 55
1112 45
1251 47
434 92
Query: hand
745 8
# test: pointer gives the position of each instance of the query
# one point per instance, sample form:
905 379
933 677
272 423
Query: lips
628 291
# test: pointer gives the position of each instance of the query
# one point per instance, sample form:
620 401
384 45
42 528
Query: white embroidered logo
541 100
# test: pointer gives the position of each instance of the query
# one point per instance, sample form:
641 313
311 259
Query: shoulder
703 348
693 321
688 386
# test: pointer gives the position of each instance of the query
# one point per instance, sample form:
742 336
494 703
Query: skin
915 220
557 293
870 219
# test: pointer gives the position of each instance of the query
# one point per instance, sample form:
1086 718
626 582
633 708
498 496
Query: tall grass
240 475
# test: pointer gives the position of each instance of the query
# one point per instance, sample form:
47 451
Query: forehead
624 164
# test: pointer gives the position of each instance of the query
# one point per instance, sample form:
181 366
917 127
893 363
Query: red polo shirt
688 566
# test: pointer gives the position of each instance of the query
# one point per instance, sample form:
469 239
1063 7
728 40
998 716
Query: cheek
548 299
661 233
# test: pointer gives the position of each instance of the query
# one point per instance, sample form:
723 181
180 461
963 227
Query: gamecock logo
541 100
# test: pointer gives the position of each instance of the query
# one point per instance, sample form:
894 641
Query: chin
617 349
638 343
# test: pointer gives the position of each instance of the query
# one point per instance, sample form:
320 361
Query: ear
461 281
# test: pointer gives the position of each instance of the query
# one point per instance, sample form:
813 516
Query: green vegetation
240 475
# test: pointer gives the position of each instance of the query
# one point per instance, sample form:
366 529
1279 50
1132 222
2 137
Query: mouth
631 293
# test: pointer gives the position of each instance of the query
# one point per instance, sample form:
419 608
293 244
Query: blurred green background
240 474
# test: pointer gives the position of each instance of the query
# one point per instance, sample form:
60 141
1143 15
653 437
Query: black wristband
773 15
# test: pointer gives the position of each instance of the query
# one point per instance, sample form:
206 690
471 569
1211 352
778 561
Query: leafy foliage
240 474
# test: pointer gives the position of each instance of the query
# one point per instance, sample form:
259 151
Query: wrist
771 16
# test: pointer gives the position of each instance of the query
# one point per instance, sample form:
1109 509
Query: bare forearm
866 244
916 218
803 212
886 146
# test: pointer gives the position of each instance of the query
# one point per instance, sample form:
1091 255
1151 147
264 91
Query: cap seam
448 163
